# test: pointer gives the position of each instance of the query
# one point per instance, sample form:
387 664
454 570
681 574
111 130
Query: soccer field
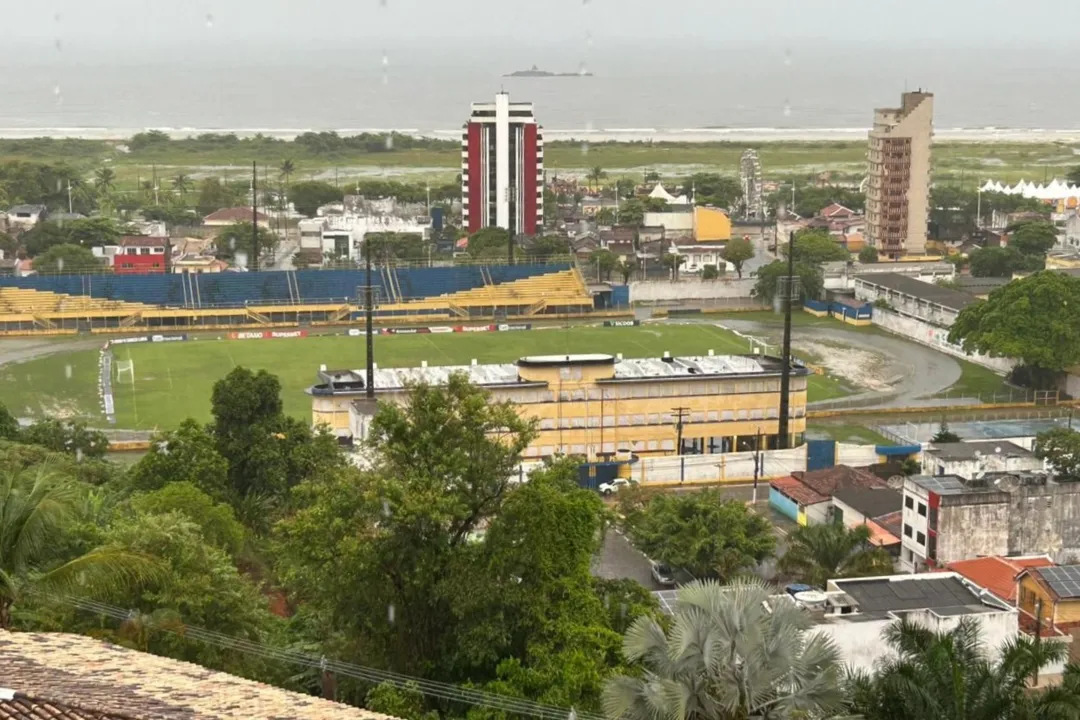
173 381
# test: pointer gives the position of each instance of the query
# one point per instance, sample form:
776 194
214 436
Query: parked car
614 486
663 574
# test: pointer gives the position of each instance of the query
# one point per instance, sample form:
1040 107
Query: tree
731 654
215 195
105 181
200 586
704 533
1073 176
1061 448
595 175
709 272
868 254
713 189
997 262
1035 320
737 252
9 426
817 553
770 279
1033 238
216 521
949 675
185 455
182 185
632 212
492 243
944 434
549 246
605 263
66 437
240 236
441 465
604 216
626 269
307 197
816 247
37 507
673 261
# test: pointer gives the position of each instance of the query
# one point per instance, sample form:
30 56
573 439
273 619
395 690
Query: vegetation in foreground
430 561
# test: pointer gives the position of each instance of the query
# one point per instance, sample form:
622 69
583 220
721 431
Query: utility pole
370 321
757 465
783 439
680 415
1038 633
254 217
71 209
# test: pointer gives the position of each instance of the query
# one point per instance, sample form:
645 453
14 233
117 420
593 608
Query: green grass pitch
173 381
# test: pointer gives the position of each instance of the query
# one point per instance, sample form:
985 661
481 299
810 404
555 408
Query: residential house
857 506
855 613
947 518
22 217
836 211
72 677
230 216
970 459
590 206
806 497
1049 597
997 574
139 255
198 264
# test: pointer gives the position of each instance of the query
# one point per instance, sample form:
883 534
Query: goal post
125 367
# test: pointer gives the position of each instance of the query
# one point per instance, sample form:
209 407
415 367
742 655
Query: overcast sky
1001 26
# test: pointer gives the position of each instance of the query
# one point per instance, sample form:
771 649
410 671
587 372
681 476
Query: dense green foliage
772 278
1035 320
737 251
817 553
1061 448
703 533
816 247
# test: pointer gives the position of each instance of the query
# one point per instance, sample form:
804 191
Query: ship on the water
537 72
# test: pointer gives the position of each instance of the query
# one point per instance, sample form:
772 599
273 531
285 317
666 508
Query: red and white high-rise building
502 168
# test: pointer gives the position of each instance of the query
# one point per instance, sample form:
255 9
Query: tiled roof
92 680
233 215
828 481
142 241
797 491
891 522
880 536
997 574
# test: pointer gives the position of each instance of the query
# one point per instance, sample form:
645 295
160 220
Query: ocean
689 93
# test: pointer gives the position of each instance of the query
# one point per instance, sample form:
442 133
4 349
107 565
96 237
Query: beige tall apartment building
898 187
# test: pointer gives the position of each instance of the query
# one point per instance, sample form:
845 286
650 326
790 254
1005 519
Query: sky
199 26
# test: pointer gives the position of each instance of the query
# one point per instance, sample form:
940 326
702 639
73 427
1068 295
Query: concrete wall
861 643
680 223
936 337
907 304
856 455
1045 520
968 531
690 289
987 463
727 467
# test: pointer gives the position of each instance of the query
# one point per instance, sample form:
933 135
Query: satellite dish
896 482
1008 483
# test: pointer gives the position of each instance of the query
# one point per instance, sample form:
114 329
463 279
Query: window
922 509
909 503
907 530
920 538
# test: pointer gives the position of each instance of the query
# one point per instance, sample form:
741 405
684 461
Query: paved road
619 559
922 371
762 256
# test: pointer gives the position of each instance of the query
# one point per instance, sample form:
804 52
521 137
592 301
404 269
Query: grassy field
963 163
173 381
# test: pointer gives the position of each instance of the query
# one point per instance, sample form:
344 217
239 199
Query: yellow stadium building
596 404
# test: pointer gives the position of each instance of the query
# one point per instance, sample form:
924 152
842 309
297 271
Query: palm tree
596 175
105 180
182 184
727 656
950 676
817 553
37 506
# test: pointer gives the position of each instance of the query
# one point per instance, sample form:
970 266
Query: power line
430 688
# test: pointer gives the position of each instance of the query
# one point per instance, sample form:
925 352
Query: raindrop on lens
60 264
209 20
390 613
787 109
67 371
389 140
385 508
